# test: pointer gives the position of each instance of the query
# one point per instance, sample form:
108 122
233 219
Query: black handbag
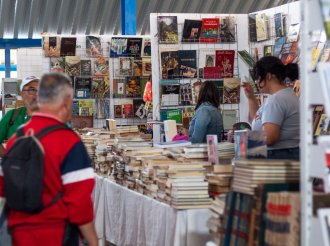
71 235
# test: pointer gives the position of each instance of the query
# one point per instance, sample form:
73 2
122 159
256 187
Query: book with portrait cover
227 29
118 46
210 30
269 50
93 46
52 46
167 29
134 46
146 66
146 47
225 60
86 67
101 66
118 111
187 63
133 87
261 25
57 64
68 46
191 30
195 87
72 65
231 90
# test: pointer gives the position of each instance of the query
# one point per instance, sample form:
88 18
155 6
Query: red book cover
210 30
293 55
212 72
128 111
224 59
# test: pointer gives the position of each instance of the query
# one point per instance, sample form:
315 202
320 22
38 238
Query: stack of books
220 179
248 173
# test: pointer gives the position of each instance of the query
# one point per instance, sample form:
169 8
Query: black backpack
23 170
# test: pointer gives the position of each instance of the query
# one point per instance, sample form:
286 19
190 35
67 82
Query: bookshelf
240 69
312 155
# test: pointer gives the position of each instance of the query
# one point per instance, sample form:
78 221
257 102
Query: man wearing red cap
16 117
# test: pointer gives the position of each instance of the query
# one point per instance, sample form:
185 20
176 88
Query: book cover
100 87
138 108
170 95
231 91
279 26
293 55
167 29
133 87
206 58
143 82
72 65
261 26
210 30
86 107
252 28
86 67
137 66
269 50
212 72
128 111
75 108
146 66
224 59
219 85
195 87
241 138
293 33
229 118
126 66
186 94
187 63
101 66
146 47
134 46
191 30
82 87
187 114
118 46
227 29
174 114
68 46
278 46
285 51
212 149
247 58
93 46
118 111
120 88
169 62
170 89
57 64
52 46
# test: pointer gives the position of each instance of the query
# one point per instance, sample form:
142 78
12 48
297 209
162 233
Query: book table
125 217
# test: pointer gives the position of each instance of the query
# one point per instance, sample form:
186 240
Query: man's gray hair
53 87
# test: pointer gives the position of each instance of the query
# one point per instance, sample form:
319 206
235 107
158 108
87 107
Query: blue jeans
289 154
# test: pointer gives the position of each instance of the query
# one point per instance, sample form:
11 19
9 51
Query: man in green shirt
16 117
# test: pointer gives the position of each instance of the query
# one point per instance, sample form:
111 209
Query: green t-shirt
7 130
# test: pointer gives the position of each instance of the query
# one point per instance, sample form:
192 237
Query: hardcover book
261 25
169 62
227 29
86 107
120 88
86 67
293 33
195 87
269 50
100 87
93 46
138 107
210 30
125 66
285 51
224 59
146 66
279 26
133 87
278 46
118 47
137 66
82 87
68 46
206 58
52 46
167 29
219 85
101 66
231 91
146 47
191 30
187 63
128 111
293 55
252 28
186 94
57 64
212 72
118 111
72 65
134 46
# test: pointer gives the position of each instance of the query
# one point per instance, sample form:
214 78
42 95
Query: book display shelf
315 221
188 50
107 75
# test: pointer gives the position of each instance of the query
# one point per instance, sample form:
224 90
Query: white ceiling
29 18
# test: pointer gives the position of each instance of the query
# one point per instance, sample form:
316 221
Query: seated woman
207 119
279 115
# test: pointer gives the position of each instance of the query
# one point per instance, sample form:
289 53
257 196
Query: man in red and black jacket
67 169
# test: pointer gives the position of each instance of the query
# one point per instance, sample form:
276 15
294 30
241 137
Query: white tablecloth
125 217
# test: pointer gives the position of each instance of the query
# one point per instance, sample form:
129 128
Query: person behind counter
279 115
207 119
